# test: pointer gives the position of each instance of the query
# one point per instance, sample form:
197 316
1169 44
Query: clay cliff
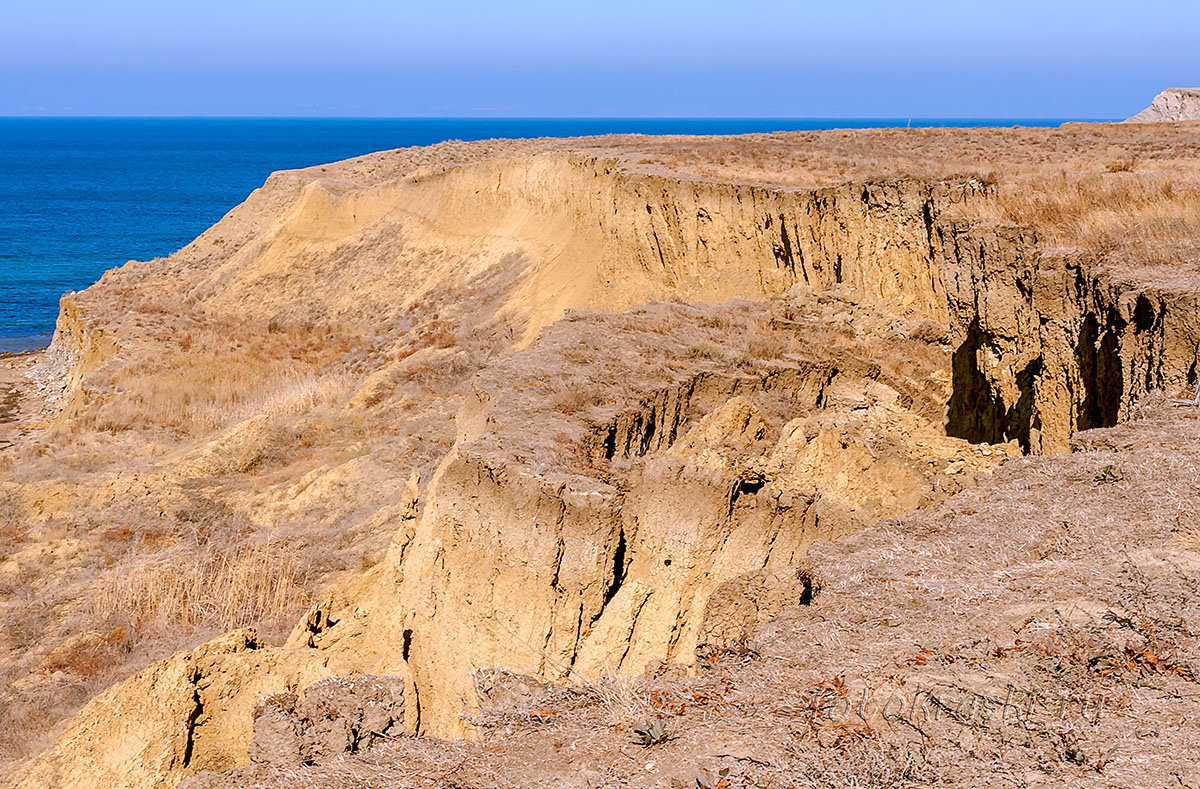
577 409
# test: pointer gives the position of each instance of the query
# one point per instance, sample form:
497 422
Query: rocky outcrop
1173 104
614 564
76 351
1048 344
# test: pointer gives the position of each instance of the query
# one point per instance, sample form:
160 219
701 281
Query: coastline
24 344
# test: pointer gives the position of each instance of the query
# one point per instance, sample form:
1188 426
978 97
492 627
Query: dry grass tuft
209 588
706 350
1153 216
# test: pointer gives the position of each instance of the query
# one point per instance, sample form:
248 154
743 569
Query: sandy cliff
561 397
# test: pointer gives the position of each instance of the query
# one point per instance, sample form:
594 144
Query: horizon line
1067 118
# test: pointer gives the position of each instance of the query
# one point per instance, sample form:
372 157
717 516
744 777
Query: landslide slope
420 381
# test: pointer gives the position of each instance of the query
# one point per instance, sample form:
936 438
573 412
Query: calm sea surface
79 196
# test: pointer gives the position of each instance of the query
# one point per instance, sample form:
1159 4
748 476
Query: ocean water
79 196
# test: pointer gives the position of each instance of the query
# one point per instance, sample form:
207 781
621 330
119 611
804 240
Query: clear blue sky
872 58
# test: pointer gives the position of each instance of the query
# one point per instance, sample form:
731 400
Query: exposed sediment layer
594 234
600 236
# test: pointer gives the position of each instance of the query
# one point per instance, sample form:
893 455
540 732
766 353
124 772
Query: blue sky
744 58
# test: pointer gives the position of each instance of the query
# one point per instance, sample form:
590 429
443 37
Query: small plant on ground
706 779
739 648
706 350
651 732
1109 473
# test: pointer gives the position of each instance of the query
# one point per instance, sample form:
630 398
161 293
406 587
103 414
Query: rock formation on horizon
1173 104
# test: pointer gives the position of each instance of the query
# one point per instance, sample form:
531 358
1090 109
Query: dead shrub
767 346
12 527
90 656
572 401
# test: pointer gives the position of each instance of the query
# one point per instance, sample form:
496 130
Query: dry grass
1151 218
827 158
1126 194
208 588
134 590
220 376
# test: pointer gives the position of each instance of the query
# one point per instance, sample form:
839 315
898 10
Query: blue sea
80 196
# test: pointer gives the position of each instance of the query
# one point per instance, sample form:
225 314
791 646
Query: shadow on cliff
976 411
1100 371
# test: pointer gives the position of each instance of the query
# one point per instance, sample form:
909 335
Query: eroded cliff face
77 351
619 237
1048 344
568 547
887 351
595 233
176 717
602 577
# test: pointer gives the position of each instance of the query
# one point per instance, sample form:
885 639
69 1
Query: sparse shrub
767 346
580 356
739 648
205 587
88 657
651 732
929 332
721 322
122 533
572 401
742 360
706 350
1069 747
12 530
581 395
437 334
